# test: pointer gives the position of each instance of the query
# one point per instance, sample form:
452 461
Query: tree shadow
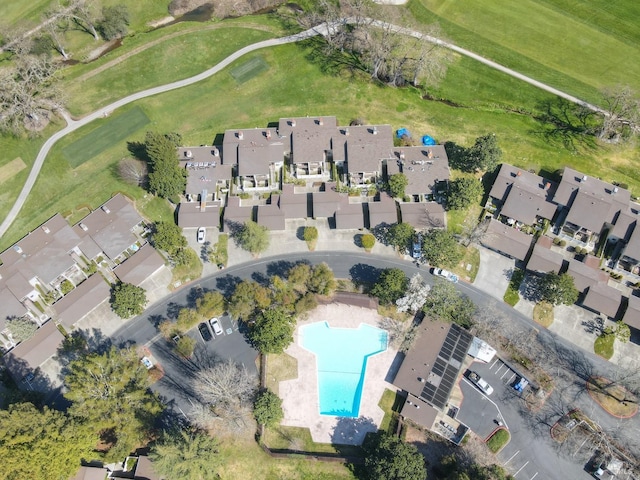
138 150
173 310
357 240
194 294
381 233
234 229
300 233
363 274
205 249
530 288
457 155
155 320
227 284
332 61
281 268
260 278
352 431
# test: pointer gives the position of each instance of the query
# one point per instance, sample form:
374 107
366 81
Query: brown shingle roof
294 205
145 470
422 166
604 299
525 206
82 300
591 212
30 354
234 212
507 240
632 315
326 203
367 146
270 215
349 215
11 307
255 151
205 175
585 276
543 259
91 473
383 211
625 224
509 175
632 250
190 215
572 180
144 263
423 215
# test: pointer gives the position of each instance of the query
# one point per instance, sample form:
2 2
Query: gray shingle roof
270 215
585 276
190 215
82 300
383 211
423 215
144 263
508 240
632 315
349 215
543 259
604 299
422 166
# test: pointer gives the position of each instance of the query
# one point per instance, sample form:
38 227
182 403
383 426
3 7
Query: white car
479 382
441 272
201 234
215 326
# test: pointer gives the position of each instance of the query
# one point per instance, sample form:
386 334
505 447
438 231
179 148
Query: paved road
365 267
322 29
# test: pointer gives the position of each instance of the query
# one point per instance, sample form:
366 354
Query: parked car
202 233
480 383
215 325
416 248
205 333
441 272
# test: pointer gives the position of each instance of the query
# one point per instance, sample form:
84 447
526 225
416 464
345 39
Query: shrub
185 346
563 243
310 234
66 286
368 241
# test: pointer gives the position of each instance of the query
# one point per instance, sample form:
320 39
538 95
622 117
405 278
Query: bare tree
15 40
225 383
133 171
28 94
622 108
415 296
56 29
83 14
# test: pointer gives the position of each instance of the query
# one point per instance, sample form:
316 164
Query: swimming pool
341 359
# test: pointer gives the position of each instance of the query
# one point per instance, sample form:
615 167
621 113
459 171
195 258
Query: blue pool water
341 358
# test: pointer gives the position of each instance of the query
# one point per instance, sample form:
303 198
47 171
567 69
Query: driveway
494 273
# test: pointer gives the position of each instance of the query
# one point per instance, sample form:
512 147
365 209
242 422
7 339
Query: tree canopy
272 331
391 285
558 289
397 183
211 304
186 454
267 408
399 235
253 238
128 299
166 179
168 236
109 392
440 248
387 457
446 303
115 20
41 444
463 192
247 297
485 154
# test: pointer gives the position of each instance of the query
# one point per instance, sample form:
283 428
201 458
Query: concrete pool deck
300 401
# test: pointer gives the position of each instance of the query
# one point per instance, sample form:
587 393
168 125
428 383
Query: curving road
531 433
322 29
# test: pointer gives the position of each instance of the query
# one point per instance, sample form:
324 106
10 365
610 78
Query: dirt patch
161 22
12 168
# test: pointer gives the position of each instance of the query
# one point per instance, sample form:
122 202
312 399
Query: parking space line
499 368
494 363
500 417
512 456
534 476
521 468
505 372
511 379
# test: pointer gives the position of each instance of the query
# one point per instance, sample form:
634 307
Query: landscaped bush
66 286
498 440
556 241
368 241
563 243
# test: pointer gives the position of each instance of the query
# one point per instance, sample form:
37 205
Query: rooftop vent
374 130
46 229
240 135
188 154
401 155
83 227
346 131
584 178
615 189
293 123
105 209
519 173
547 185
267 134
320 121
17 248
215 152
429 153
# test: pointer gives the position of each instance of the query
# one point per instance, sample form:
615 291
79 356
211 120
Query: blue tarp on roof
428 140
403 132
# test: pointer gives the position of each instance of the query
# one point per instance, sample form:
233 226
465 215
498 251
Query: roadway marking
511 379
512 456
505 372
499 368
494 363
534 476
521 468
500 417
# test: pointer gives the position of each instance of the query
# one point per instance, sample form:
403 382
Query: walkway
322 29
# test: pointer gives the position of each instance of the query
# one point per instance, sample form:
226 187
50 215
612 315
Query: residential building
208 176
310 149
424 215
366 149
543 259
632 314
604 299
426 169
586 273
507 240
383 211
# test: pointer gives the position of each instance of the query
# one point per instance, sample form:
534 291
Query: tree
397 183
225 383
322 280
166 179
186 454
299 275
267 408
415 296
558 289
128 300
248 297
28 94
84 16
168 236
272 331
484 155
463 192
400 235
253 238
21 328
622 116
211 304
41 444
185 346
133 171
440 248
446 303
368 241
387 457
115 21
187 319
109 392
390 286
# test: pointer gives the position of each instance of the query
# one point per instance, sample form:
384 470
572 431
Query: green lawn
249 69
511 296
603 345
576 46
498 440
106 135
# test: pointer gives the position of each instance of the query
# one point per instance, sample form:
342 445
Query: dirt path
153 43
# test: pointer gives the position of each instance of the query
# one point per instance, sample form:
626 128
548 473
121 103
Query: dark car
205 333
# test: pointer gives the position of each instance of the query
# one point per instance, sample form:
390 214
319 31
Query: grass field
12 168
249 69
576 46
108 134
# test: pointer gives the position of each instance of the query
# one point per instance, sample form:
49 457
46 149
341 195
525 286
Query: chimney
267 134
240 135
615 190
188 154
46 229
519 173
401 155
374 130
83 227
584 178
547 185
429 153
320 121
105 209
346 131
293 123
215 152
